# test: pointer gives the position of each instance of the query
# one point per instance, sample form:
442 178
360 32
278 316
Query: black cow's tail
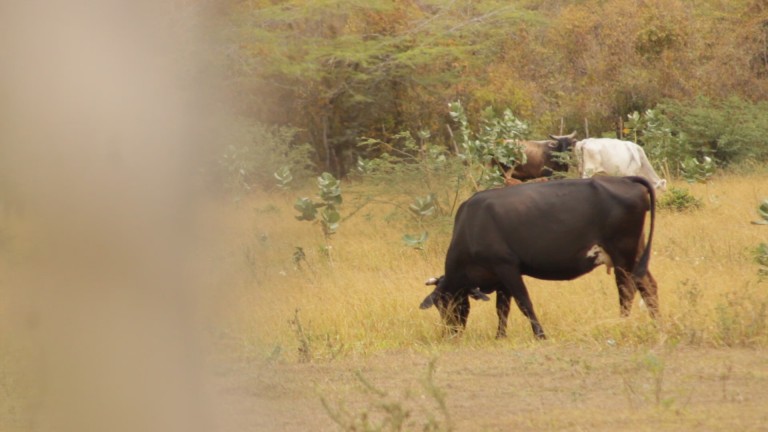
641 268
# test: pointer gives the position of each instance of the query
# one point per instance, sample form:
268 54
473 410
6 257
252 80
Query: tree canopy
340 70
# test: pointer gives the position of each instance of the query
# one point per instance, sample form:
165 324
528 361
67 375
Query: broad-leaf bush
329 189
255 155
665 146
493 141
695 171
283 177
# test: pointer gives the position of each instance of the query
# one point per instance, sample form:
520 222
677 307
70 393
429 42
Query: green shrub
493 142
679 200
729 131
406 164
667 148
330 200
253 153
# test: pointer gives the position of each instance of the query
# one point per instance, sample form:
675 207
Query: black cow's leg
526 307
649 290
627 290
513 286
502 310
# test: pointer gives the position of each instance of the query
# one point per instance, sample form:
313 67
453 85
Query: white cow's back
615 157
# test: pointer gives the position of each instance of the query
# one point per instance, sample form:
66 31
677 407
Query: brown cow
540 159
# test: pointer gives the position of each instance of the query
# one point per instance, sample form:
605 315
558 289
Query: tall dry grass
359 292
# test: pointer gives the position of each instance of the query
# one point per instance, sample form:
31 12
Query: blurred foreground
100 270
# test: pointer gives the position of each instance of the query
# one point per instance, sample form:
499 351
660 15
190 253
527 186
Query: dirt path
545 387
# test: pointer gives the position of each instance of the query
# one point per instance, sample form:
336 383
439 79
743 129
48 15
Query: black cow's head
449 305
476 293
453 307
563 143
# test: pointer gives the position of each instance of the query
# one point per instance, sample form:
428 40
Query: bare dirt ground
539 387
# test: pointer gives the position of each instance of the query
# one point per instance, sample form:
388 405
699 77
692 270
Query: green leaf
331 220
416 241
307 208
695 171
283 177
422 207
496 138
330 189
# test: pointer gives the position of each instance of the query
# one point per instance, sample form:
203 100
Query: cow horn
431 281
572 135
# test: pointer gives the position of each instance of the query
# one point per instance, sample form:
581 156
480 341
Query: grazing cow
558 230
540 158
615 157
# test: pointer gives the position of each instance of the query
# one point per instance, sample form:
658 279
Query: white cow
615 157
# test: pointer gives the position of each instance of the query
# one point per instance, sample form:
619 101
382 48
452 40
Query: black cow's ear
428 301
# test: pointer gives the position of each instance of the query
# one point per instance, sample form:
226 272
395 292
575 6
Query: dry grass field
343 325
360 295
336 341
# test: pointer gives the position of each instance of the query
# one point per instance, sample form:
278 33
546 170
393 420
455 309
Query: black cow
557 230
